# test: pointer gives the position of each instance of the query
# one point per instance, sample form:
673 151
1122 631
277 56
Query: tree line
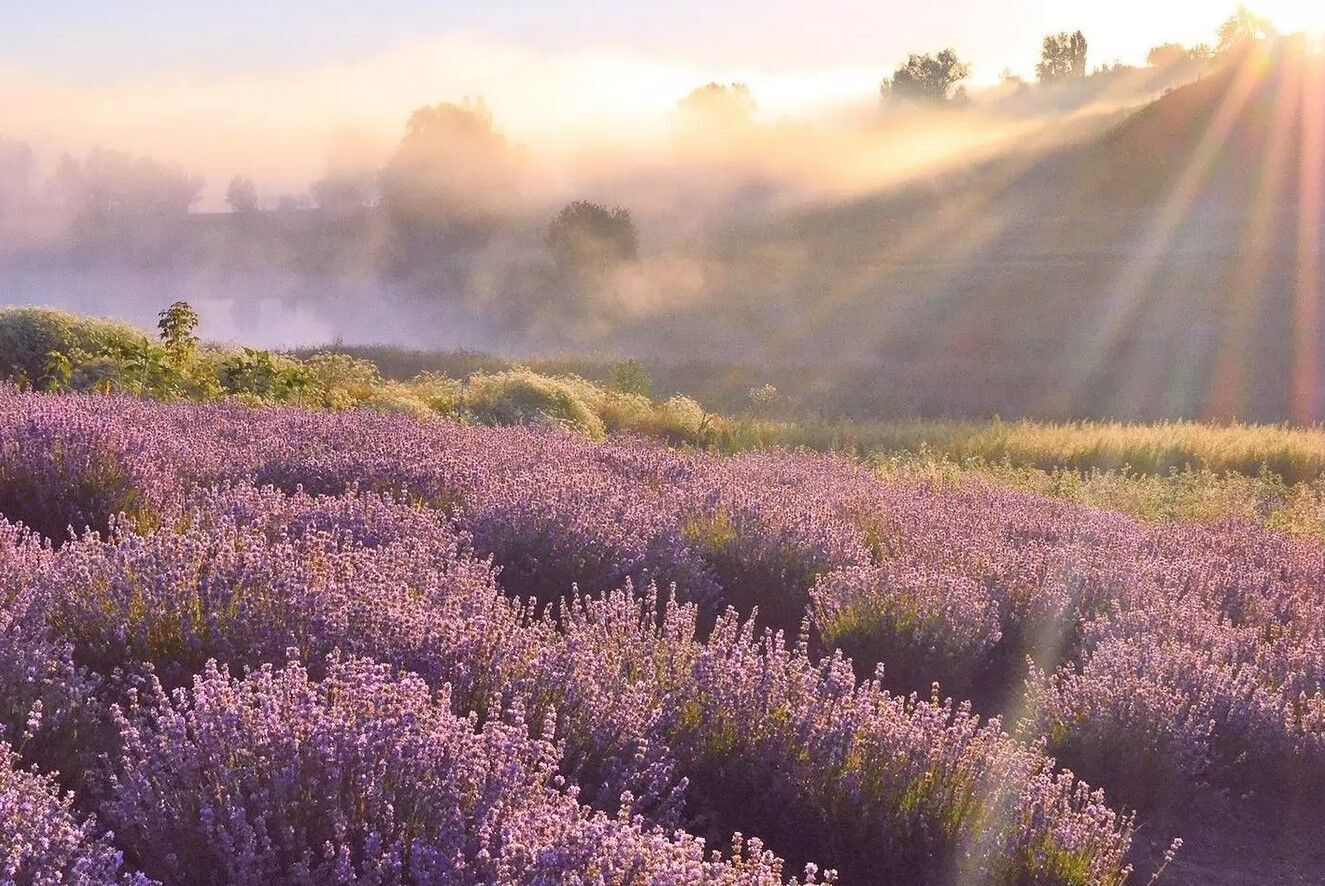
937 78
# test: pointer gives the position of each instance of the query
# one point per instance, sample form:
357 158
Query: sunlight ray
1130 287
1229 387
1306 362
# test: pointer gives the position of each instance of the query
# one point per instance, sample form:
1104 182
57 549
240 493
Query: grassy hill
1149 272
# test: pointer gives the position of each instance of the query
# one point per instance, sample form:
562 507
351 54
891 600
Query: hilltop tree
1242 28
242 195
1169 54
589 238
927 78
1063 57
1166 55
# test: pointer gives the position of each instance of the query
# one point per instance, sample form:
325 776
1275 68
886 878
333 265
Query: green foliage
29 335
176 325
587 238
630 377
440 393
94 355
522 397
340 381
263 375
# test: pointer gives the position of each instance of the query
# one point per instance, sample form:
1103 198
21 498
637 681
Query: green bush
443 395
263 375
519 396
397 397
340 381
61 351
29 335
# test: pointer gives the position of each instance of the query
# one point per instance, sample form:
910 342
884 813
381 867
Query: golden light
1295 16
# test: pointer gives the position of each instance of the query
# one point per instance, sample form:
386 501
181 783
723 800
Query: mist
114 201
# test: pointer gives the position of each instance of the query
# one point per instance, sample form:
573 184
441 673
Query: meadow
293 628
270 618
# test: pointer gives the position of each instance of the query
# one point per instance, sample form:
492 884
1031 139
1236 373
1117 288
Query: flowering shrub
366 776
61 471
41 841
779 686
245 575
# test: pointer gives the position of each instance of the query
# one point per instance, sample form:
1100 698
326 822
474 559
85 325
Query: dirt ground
1225 844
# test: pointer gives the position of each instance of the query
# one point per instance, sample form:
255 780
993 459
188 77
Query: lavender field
289 646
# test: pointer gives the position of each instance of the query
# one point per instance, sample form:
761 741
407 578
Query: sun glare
1297 16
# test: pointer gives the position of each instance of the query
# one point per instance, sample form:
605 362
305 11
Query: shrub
62 471
519 396
368 776
43 844
263 375
439 393
28 335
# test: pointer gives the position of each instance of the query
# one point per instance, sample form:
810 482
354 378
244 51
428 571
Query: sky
102 42
264 86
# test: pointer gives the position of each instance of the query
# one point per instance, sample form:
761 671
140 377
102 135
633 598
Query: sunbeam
1306 364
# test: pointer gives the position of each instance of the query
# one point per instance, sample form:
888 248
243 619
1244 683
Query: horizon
266 89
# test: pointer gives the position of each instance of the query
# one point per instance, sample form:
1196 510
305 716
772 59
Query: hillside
1148 272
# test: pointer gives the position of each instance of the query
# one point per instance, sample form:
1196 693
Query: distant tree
927 78
718 104
1167 55
451 164
1243 27
242 195
1114 67
288 203
1012 80
1063 57
630 377
587 237
110 186
1170 54
343 191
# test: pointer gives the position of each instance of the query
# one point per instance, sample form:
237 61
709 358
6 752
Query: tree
176 325
110 186
718 104
343 192
1242 28
242 195
451 164
927 78
1167 55
1012 80
1063 57
586 237
16 165
630 377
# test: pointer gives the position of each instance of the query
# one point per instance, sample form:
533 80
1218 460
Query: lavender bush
779 686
